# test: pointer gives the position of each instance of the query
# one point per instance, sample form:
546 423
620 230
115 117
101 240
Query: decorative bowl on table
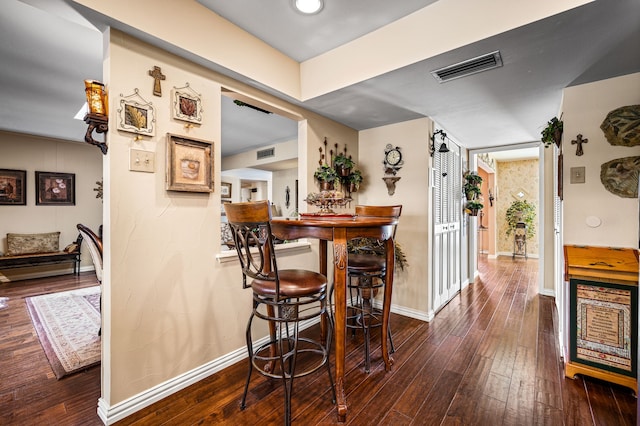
327 200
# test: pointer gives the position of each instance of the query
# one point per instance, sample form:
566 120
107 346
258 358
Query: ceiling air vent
266 153
468 67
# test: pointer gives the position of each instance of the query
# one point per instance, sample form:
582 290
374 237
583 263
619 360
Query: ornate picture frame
189 164
225 190
136 115
13 187
186 104
55 189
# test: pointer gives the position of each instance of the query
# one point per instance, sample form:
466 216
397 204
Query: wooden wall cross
579 141
157 75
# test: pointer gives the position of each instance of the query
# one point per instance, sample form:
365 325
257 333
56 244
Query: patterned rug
67 324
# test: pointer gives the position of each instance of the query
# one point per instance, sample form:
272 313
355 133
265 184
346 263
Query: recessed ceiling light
308 7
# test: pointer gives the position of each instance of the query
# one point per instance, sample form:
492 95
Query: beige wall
410 287
584 109
513 176
169 306
281 180
32 153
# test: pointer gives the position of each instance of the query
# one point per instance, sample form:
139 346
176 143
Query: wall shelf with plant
472 192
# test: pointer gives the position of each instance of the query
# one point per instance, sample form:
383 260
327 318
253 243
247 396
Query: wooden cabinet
603 313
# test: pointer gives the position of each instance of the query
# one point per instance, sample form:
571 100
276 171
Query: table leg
323 270
340 293
386 308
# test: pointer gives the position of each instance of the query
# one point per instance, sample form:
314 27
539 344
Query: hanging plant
472 208
521 211
343 164
552 133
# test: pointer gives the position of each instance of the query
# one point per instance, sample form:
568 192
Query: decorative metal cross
579 141
157 75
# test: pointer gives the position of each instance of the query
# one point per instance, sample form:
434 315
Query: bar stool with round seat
283 298
366 272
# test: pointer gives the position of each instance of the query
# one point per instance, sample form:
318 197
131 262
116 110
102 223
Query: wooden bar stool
366 272
284 298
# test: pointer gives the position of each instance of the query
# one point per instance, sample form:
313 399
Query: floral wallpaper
513 178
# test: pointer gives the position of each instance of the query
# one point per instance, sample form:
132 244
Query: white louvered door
447 208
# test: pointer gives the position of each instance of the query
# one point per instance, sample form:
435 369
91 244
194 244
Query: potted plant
343 164
354 180
471 186
326 176
473 207
521 211
552 133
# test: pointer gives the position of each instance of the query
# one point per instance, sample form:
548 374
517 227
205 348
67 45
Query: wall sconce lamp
443 145
97 118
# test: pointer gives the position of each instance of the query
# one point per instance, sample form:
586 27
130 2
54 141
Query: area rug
67 324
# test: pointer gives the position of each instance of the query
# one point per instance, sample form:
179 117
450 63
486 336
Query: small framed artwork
136 115
186 104
55 189
13 187
225 190
189 164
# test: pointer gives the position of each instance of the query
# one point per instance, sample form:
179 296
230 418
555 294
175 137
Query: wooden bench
37 259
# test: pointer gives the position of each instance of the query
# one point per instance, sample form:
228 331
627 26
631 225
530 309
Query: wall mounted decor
225 190
136 115
579 141
622 126
392 161
186 104
55 189
620 176
157 75
97 116
13 187
189 164
552 133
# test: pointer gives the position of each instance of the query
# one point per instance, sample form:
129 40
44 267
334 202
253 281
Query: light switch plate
142 161
577 174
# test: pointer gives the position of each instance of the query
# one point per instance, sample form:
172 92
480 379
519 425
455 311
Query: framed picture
136 115
13 187
186 104
189 164
55 189
225 190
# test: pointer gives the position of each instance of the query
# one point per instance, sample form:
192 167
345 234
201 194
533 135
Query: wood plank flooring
489 357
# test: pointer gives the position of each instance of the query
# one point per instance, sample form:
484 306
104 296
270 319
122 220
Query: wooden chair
366 272
95 249
284 298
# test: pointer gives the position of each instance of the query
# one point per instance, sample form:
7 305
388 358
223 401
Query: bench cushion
20 244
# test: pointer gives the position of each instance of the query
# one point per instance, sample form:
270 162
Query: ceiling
41 75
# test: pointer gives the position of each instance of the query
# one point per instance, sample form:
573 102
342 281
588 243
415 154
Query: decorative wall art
579 141
225 190
136 115
620 176
13 187
189 164
186 104
157 75
622 126
55 189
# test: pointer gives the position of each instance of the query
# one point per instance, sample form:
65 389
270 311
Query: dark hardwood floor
489 357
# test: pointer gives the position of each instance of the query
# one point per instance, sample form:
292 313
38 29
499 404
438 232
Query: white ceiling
47 50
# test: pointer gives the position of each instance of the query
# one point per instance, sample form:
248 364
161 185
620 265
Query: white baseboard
110 414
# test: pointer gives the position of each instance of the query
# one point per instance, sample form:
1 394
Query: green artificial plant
521 211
